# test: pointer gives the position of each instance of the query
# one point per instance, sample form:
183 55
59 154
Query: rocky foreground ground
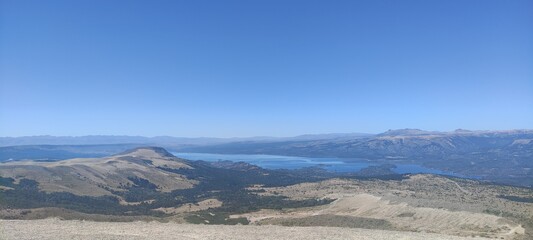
61 229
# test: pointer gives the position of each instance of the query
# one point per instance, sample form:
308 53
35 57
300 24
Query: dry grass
192 207
421 203
86 176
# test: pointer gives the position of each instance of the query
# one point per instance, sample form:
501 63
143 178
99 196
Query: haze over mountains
169 140
64 147
159 140
391 144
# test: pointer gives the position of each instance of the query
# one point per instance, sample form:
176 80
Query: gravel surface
60 229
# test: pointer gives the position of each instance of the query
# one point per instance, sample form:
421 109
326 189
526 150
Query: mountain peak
406 132
148 151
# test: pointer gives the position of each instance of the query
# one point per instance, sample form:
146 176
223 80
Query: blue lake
290 162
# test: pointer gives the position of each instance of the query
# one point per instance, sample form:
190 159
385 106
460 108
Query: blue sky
277 68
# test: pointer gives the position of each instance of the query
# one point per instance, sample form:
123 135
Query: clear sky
277 68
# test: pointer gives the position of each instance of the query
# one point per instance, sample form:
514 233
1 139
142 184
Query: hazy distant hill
98 140
403 143
59 148
160 140
60 152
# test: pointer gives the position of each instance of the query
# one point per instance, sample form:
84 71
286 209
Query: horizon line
267 136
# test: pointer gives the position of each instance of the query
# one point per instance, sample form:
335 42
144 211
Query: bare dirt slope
421 203
361 207
60 229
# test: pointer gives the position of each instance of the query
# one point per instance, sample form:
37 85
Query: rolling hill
103 176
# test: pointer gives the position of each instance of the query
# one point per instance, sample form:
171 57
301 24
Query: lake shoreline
331 164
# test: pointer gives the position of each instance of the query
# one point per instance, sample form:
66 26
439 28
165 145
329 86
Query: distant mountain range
160 140
49 148
405 143
501 156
